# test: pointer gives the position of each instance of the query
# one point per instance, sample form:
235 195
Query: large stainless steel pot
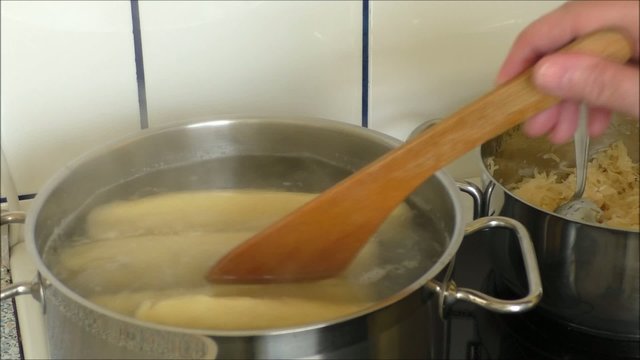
590 272
253 153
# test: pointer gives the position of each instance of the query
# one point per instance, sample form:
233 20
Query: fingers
576 78
559 27
566 123
599 120
559 122
542 123
598 82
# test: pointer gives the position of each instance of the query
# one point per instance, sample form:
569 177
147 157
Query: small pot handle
466 187
34 287
451 293
12 217
476 194
486 198
422 127
7 218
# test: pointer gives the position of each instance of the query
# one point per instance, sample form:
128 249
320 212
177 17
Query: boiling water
402 254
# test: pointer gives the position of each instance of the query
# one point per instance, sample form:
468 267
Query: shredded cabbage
612 184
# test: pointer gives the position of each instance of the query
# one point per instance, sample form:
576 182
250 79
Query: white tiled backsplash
68 75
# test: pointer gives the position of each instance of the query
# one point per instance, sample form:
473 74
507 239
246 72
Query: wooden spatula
320 239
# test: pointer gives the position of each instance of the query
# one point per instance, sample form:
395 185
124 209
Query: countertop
10 348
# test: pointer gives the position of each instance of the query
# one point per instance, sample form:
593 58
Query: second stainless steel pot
590 272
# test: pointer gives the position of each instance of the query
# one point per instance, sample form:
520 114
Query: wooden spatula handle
494 113
322 237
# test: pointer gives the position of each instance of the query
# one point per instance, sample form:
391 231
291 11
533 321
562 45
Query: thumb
591 79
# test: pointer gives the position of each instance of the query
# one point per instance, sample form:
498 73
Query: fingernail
551 75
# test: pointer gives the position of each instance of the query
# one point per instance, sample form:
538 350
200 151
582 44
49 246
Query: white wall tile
291 58
68 72
67 83
428 58
7 185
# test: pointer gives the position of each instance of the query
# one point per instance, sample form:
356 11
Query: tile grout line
137 49
142 93
365 63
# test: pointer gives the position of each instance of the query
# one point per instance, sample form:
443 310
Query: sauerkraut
612 184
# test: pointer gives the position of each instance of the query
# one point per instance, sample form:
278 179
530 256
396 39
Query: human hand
605 86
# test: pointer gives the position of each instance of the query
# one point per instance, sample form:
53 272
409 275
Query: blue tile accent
20 197
137 48
365 63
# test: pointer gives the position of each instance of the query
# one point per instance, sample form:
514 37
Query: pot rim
56 179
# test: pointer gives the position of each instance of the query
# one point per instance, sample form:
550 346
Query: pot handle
486 197
7 218
422 127
450 293
24 287
12 217
466 187
476 194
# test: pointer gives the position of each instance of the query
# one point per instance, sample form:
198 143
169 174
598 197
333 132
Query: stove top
475 333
